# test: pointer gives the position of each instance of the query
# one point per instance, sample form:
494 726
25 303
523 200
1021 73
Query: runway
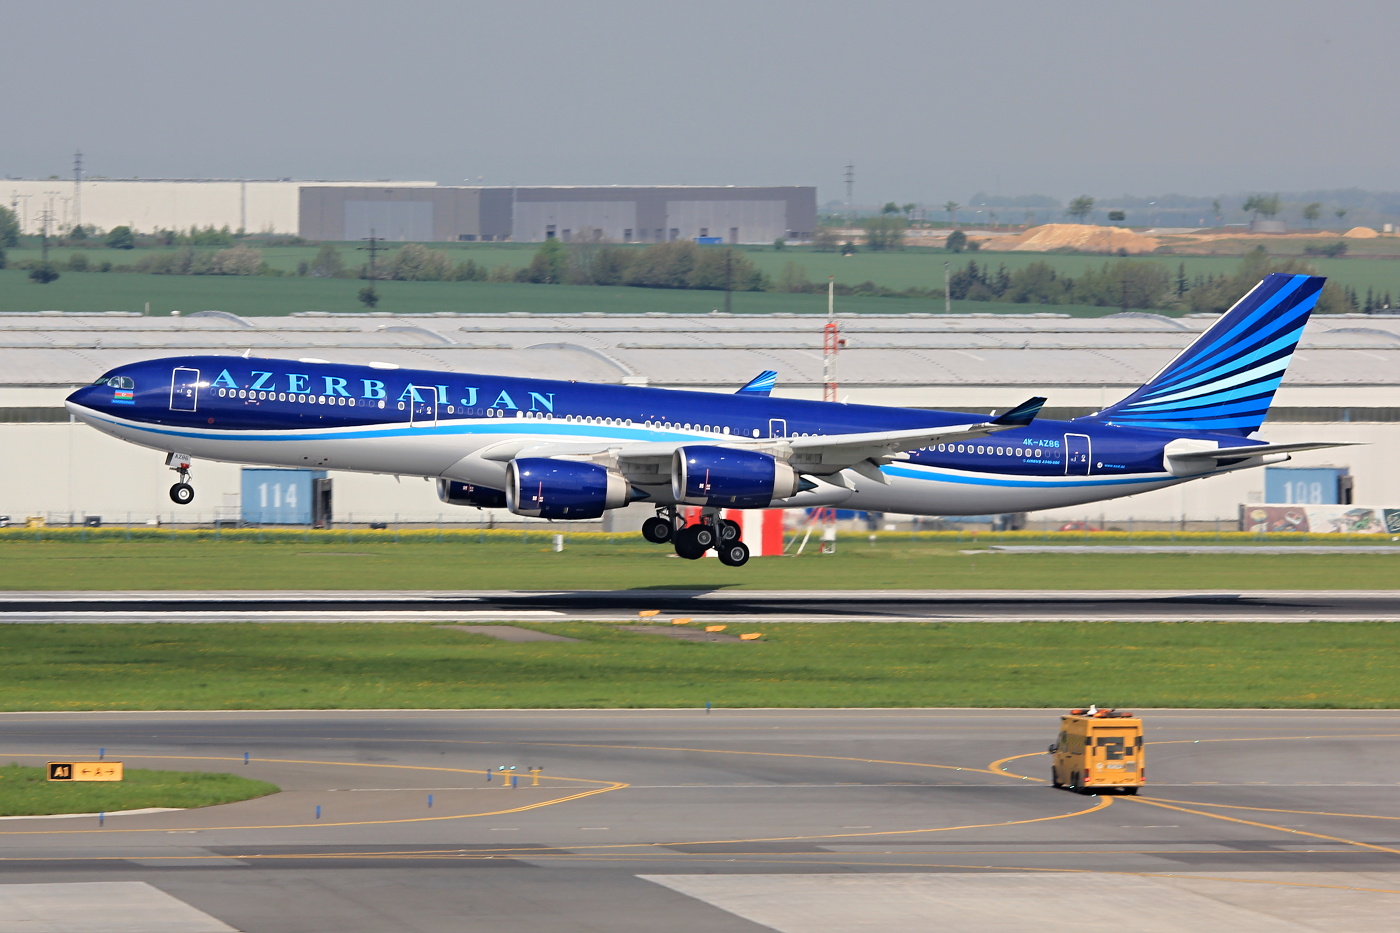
736 821
717 605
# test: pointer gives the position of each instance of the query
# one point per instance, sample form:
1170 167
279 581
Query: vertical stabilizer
1225 380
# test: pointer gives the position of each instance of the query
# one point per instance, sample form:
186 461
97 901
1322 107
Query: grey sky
932 100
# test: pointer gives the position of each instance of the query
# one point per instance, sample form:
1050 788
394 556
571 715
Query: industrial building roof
55 349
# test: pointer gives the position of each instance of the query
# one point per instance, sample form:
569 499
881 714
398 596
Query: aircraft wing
831 453
821 455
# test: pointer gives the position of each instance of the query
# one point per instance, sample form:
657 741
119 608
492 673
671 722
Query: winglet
762 384
1022 414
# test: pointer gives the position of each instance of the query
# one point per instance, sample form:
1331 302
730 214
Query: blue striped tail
1225 381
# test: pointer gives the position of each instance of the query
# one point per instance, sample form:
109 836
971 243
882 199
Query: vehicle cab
1098 750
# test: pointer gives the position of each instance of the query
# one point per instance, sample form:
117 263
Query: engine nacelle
483 497
725 477
543 488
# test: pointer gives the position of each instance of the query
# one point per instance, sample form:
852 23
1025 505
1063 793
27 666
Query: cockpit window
117 382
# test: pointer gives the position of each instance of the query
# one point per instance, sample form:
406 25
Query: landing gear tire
658 530
1055 779
729 530
182 494
687 545
734 554
702 535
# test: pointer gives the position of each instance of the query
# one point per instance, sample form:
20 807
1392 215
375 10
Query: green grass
24 791
358 666
262 295
162 560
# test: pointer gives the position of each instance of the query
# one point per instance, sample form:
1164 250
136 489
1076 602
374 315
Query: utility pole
77 189
831 342
947 295
374 249
850 190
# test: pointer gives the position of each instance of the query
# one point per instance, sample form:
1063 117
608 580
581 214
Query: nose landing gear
182 493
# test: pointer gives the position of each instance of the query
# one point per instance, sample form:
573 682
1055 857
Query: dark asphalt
750 605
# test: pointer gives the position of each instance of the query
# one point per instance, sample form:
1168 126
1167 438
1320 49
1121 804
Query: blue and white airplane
571 450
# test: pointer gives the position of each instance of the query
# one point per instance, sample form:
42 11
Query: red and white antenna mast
831 342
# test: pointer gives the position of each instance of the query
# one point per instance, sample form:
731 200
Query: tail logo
1226 379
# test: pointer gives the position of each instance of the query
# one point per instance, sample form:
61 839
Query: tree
909 210
1081 207
956 242
79 233
825 240
416 263
1266 204
43 272
237 260
890 208
327 264
550 265
1117 217
368 296
1215 210
1312 212
121 238
9 228
885 232
952 207
1340 212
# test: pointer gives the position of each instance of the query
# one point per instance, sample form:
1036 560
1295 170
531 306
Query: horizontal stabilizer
762 384
1255 450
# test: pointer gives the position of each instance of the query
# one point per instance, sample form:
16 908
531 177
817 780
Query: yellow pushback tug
1098 750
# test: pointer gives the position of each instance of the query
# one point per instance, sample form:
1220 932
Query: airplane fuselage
384 419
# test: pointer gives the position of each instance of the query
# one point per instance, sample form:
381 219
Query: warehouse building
418 211
534 214
1344 385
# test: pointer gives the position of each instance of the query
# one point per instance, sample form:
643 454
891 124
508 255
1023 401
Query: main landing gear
692 541
182 493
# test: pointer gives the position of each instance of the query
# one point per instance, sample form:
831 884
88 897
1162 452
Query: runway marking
1227 806
1102 803
610 786
1220 816
719 751
1282 829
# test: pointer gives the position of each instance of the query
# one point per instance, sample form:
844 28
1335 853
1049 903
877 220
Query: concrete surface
742 820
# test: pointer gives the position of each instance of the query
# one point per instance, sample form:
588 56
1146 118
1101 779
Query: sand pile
1081 237
1361 233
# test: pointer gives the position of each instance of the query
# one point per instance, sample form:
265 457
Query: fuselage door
777 427
423 407
1077 455
184 389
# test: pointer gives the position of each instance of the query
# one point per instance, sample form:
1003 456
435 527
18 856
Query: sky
929 100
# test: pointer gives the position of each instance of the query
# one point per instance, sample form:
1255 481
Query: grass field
502 560
24 791
358 666
260 295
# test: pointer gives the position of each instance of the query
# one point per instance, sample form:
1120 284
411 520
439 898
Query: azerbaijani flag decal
124 396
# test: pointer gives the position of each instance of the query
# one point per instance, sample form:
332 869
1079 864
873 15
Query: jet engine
543 488
483 497
724 477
